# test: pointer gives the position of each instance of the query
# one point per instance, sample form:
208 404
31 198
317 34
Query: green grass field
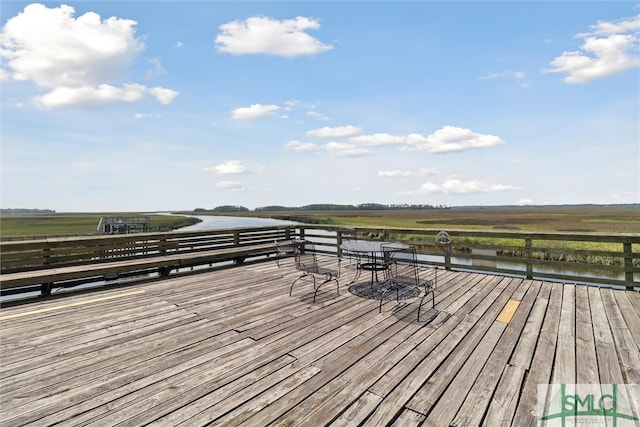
563 219
528 219
551 219
34 225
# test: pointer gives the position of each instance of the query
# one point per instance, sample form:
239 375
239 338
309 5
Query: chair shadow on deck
319 298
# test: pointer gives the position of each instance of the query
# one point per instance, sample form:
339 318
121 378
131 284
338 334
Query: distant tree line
225 208
324 207
360 207
27 211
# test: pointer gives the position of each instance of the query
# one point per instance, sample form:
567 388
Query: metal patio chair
404 272
315 267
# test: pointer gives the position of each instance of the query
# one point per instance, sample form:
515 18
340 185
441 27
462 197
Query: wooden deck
231 347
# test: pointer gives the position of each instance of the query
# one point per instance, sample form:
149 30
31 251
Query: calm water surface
217 222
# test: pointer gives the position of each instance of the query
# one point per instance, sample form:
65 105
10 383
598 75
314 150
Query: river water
210 222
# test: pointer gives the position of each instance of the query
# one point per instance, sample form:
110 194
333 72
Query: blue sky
143 106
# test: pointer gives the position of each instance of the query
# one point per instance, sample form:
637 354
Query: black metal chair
317 268
403 271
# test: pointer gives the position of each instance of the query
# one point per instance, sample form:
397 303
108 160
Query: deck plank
608 365
586 359
564 369
504 401
541 364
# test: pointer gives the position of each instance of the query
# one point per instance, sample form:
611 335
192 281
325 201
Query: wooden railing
27 255
596 258
602 259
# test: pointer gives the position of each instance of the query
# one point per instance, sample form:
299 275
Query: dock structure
123 224
231 347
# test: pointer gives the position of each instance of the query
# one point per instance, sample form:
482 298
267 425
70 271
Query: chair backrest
403 265
306 259
285 248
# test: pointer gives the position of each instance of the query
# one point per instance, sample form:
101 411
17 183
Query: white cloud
141 116
301 146
458 186
262 35
451 138
318 115
89 96
377 139
289 105
404 173
335 132
230 185
234 167
341 149
254 111
77 59
525 202
163 95
231 167
610 48
520 77
157 69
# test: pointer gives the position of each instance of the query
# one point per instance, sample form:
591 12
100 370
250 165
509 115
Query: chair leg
329 279
433 300
304 275
397 288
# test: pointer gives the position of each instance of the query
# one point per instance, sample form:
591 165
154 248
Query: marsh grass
548 219
615 219
19 225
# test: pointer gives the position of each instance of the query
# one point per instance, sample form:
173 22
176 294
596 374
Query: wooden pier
231 347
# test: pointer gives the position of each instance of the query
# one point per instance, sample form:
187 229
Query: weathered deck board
231 347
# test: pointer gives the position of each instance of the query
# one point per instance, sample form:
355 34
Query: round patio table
370 255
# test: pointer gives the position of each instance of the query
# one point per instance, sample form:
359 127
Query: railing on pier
596 258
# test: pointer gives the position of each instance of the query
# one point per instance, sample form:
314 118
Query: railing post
628 265
162 245
46 256
236 238
447 257
528 254
45 288
339 242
